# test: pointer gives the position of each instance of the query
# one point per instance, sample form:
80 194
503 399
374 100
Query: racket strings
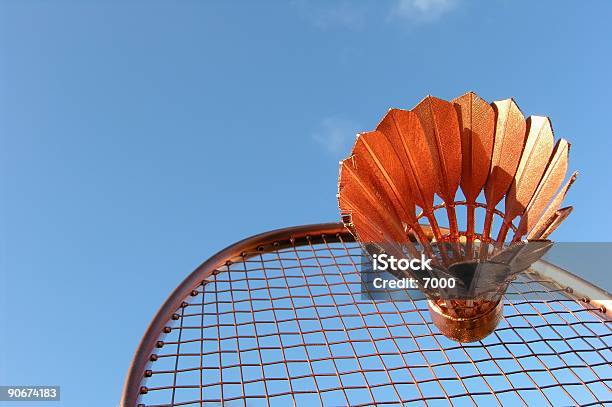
292 326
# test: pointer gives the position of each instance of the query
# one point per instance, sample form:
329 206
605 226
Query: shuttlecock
477 174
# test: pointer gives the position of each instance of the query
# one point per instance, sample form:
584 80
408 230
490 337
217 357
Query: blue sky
138 138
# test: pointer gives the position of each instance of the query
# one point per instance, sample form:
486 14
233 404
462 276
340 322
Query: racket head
280 318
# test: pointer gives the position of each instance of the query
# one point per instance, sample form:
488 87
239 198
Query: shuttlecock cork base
400 189
469 328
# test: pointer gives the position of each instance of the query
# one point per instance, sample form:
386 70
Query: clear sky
138 138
